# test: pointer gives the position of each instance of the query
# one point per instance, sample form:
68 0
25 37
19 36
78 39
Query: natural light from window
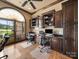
11 13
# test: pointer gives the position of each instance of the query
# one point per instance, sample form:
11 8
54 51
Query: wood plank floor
16 51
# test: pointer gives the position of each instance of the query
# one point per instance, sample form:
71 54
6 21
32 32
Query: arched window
16 29
11 13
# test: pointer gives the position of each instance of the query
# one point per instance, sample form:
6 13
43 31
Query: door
20 32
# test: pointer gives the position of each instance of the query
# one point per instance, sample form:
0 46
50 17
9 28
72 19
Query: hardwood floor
57 55
16 51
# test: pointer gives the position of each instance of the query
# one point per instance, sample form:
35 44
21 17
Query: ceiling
38 4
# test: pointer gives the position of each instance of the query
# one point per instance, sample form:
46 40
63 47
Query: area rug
36 54
26 44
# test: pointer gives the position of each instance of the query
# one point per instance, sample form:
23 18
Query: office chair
44 42
2 44
31 37
46 45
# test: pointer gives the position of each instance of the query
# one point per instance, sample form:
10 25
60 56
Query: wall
26 15
55 7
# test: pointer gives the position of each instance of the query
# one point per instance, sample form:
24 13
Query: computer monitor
49 31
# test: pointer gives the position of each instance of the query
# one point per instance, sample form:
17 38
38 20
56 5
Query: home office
38 29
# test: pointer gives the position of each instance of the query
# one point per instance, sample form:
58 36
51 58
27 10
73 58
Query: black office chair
31 37
2 44
44 42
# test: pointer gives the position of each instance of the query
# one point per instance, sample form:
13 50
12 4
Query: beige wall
55 7
26 15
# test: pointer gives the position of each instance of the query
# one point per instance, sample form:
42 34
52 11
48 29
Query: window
6 27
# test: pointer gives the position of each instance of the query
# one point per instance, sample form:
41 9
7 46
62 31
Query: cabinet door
69 28
57 44
58 19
